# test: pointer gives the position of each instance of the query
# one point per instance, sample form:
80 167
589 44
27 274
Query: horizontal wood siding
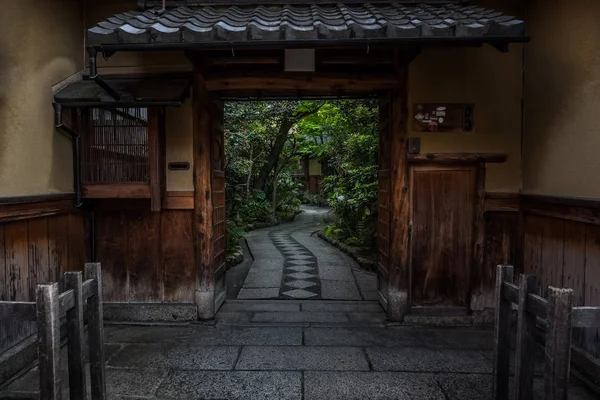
146 256
565 251
36 248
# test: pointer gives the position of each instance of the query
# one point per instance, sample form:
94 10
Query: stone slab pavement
294 350
292 263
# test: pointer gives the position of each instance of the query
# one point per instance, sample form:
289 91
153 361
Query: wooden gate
384 178
218 197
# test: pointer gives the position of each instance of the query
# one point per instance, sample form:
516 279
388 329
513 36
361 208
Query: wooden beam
321 82
117 191
154 157
502 202
14 212
399 246
457 158
179 201
203 207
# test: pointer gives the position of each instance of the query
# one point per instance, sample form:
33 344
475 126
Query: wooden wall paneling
111 248
553 238
17 260
76 240
3 268
58 245
591 337
574 260
38 257
177 256
532 248
143 256
17 277
499 248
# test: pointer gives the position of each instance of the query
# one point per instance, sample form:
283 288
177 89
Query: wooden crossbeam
364 83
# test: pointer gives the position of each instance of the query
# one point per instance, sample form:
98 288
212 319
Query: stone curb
364 263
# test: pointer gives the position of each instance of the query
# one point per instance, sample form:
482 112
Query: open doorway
300 183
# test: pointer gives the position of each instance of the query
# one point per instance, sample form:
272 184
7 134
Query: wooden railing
558 315
47 311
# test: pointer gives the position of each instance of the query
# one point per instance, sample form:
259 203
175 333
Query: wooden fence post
525 356
48 321
96 333
558 344
75 337
502 334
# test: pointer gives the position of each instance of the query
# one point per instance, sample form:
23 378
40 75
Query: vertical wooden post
504 273
96 333
48 321
558 344
478 301
398 279
75 337
203 206
525 356
154 158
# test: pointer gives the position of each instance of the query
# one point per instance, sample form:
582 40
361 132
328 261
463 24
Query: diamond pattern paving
300 284
300 271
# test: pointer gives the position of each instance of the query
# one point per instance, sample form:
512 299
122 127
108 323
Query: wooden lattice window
122 154
116 148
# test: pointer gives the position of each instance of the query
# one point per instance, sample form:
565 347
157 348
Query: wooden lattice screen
115 150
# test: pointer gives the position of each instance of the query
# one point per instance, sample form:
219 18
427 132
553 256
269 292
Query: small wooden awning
132 92
307 24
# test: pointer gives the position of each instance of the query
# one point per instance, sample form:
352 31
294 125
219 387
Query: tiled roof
277 23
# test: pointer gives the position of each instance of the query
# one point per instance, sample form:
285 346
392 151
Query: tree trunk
276 150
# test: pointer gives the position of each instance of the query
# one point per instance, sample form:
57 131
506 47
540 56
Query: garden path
292 263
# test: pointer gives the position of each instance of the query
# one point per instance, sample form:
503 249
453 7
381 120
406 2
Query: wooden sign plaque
442 117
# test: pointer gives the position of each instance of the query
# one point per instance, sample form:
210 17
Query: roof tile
303 22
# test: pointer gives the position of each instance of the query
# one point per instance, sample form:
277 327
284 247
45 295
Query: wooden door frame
397 85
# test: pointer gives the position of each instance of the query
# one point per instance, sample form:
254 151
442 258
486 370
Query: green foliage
345 133
342 134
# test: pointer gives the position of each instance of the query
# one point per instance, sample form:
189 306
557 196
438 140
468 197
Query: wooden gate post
558 344
502 334
75 337
525 356
96 333
48 321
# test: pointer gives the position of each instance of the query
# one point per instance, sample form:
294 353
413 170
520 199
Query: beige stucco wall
489 79
41 43
562 99
179 146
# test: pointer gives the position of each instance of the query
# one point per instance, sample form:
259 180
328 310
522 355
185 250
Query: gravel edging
236 258
369 265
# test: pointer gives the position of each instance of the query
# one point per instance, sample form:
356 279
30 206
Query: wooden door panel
443 201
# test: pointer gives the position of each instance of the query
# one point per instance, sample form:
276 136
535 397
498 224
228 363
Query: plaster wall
562 99
41 44
489 79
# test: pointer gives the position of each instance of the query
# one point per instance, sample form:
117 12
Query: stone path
292 263
295 350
